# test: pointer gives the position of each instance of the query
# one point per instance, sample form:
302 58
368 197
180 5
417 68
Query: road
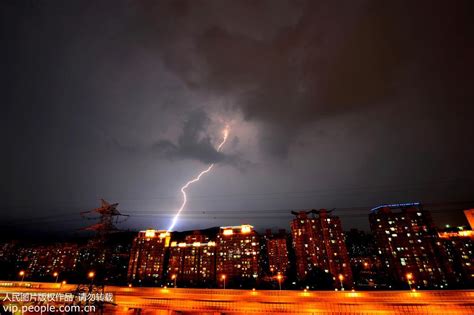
138 300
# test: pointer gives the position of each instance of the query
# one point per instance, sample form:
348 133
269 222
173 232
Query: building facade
193 262
458 245
237 254
276 252
43 261
147 257
318 241
407 243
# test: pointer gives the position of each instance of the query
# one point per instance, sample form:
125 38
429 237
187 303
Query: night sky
330 104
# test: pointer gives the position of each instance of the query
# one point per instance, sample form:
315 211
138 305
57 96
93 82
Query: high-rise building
319 245
237 254
147 258
458 244
276 251
193 261
407 243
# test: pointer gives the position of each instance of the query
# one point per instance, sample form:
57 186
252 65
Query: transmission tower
108 217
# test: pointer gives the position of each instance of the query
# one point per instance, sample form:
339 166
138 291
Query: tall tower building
408 244
147 258
318 241
193 261
277 252
237 254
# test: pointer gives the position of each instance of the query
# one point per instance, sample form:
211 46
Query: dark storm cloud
322 59
193 143
346 94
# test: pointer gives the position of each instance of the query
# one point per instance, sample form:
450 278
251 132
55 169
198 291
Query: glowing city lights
150 233
341 279
246 229
164 234
223 279
22 275
228 232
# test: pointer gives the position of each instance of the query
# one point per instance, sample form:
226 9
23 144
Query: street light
91 276
55 274
409 277
173 277
279 277
341 279
223 279
22 275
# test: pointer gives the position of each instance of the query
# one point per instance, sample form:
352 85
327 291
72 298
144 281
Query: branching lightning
196 179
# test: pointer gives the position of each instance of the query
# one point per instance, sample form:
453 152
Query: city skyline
404 250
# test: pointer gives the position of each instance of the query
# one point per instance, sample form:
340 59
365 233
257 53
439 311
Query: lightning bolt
196 179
